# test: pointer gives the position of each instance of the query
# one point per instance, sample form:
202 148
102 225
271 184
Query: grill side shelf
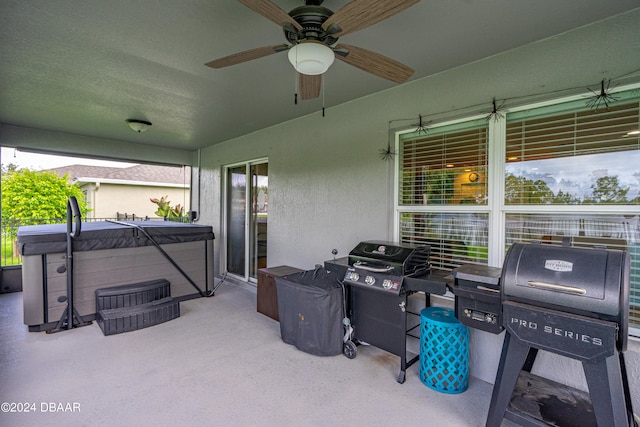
433 282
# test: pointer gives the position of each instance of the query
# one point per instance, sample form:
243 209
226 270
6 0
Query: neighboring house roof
134 174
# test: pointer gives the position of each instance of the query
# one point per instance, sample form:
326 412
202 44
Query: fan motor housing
311 18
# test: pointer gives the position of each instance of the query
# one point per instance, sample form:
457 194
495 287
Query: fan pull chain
296 82
295 88
323 84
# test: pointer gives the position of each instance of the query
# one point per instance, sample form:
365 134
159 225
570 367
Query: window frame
496 208
445 209
247 227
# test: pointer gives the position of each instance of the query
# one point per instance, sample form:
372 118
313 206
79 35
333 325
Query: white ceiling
85 66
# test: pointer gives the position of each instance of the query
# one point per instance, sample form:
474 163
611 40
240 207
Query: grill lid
390 258
588 280
477 276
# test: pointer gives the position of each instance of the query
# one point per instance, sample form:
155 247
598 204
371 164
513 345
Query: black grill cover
310 307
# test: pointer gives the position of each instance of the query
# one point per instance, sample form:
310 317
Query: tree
521 190
30 197
563 198
42 195
607 189
11 167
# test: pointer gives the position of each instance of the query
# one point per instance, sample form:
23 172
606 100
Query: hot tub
107 254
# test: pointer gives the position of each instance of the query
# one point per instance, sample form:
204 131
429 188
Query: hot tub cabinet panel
96 266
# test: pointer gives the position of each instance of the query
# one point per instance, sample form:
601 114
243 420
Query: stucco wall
328 187
108 199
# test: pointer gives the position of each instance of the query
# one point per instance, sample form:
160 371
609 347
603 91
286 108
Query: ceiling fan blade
247 55
374 63
309 86
359 14
271 11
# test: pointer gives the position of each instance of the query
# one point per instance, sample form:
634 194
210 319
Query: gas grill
574 302
380 278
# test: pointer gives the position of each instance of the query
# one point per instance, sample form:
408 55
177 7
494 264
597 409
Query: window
563 171
446 166
443 192
580 157
574 160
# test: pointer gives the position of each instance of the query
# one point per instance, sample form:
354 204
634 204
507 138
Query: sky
576 175
35 161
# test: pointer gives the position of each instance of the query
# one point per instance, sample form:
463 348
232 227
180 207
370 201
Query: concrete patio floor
220 363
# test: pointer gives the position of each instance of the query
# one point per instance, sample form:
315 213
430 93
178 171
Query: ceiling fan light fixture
138 125
311 57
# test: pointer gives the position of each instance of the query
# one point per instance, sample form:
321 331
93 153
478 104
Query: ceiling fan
312 32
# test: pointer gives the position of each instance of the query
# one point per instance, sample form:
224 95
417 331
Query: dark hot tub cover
52 238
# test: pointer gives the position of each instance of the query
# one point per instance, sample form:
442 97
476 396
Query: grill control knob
354 276
369 280
387 284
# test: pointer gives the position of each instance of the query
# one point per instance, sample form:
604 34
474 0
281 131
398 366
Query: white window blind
446 166
454 238
572 134
573 157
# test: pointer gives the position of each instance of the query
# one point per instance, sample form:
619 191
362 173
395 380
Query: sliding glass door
236 219
259 214
247 207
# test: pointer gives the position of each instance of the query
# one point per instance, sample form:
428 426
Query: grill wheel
350 350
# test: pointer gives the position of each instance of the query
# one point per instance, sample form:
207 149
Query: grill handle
373 269
484 288
557 288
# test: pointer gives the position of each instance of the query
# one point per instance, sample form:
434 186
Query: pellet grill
570 301
380 277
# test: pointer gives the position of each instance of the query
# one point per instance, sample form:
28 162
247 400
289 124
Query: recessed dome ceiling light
138 125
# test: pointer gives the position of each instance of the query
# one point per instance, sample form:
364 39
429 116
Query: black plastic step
126 319
135 306
132 294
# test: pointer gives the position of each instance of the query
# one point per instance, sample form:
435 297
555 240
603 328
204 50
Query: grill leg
512 359
606 389
627 392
